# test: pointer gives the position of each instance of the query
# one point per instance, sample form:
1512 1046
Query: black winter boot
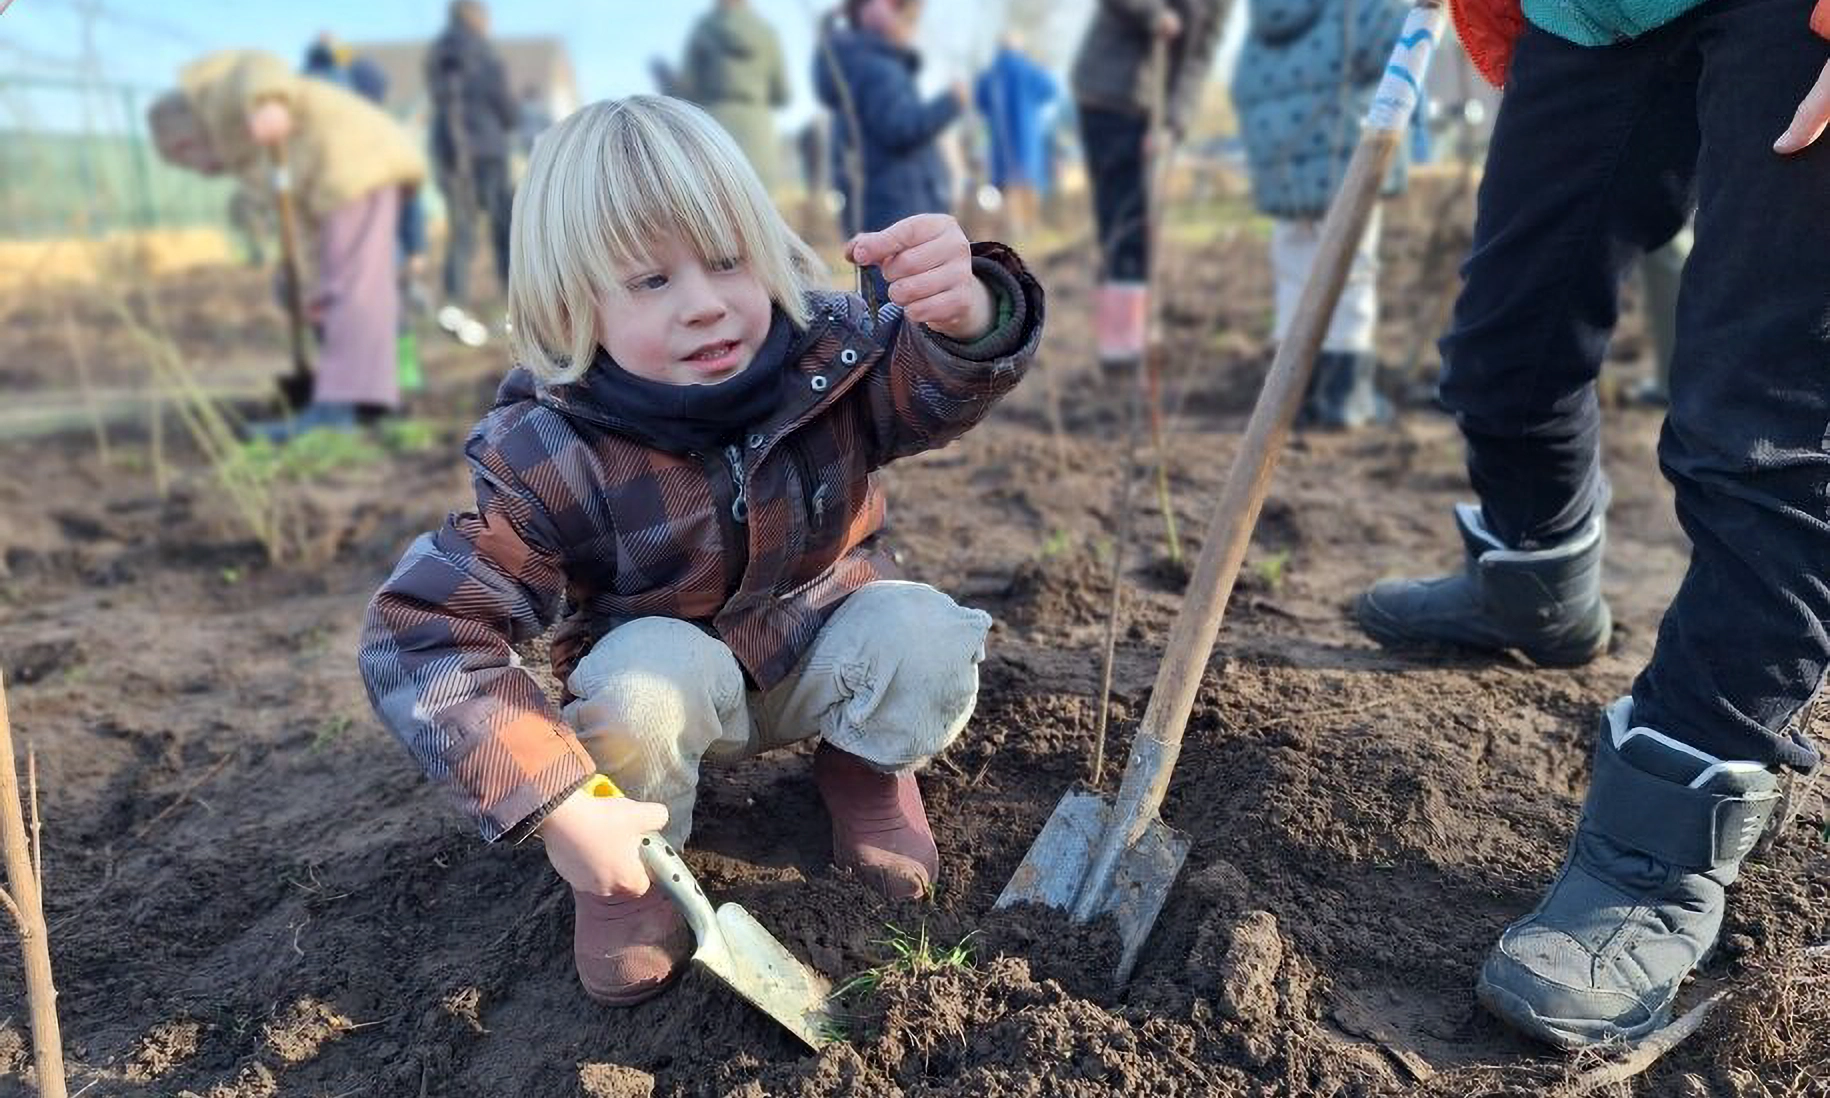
1639 900
1545 603
1343 392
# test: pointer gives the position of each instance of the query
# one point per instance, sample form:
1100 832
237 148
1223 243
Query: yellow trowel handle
600 785
668 870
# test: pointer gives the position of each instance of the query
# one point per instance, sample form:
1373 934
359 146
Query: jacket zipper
813 492
732 517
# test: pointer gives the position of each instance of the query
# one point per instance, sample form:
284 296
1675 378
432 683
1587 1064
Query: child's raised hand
1812 116
928 263
594 842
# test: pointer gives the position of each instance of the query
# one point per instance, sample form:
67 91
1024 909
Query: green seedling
331 730
1055 545
409 436
1272 568
231 575
915 954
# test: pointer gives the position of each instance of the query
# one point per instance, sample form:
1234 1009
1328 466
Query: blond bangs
603 188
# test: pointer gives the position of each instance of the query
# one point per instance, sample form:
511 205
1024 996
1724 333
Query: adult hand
1168 24
1813 114
594 842
270 123
928 264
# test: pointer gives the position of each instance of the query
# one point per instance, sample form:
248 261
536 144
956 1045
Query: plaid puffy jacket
758 543
1490 28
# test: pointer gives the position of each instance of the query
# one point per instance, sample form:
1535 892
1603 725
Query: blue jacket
1306 75
1013 96
902 168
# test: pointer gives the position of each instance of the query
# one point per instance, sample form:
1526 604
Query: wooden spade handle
289 256
1191 639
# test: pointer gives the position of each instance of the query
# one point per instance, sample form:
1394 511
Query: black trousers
486 195
1598 154
1114 144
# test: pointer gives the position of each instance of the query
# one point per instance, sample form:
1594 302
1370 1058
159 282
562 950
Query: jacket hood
733 32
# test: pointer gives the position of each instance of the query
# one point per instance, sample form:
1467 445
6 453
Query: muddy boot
879 828
628 950
1640 897
1545 603
1343 393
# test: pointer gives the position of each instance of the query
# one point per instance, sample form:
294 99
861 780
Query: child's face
681 321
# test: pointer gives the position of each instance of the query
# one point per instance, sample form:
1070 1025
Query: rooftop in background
540 62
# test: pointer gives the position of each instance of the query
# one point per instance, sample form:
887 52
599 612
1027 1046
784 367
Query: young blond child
684 462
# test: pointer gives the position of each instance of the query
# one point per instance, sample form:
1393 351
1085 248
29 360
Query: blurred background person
1114 85
733 68
1014 96
1306 75
867 68
328 58
347 161
474 116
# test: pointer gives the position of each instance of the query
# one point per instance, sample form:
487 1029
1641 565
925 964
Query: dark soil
252 891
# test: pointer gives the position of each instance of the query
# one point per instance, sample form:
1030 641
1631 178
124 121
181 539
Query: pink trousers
360 296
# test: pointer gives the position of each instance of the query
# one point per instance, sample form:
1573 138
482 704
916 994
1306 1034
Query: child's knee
656 679
902 662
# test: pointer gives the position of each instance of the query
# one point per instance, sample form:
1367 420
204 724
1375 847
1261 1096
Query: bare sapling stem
25 903
79 356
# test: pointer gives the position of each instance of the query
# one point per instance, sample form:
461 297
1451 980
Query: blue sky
144 42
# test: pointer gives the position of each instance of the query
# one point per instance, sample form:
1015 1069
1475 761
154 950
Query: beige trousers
892 678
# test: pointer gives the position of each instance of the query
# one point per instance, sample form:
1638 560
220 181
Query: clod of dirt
997 1030
1061 591
34 662
164 1047
614 1081
254 1081
1081 957
1221 886
1168 573
14 1052
306 1027
1246 977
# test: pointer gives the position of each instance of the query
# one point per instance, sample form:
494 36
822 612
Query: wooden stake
26 904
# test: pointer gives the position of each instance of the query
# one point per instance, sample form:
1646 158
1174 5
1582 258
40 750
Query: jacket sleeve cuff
517 821
1006 334
1017 331
1820 18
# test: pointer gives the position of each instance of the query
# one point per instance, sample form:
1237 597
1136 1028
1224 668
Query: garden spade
296 386
734 947
1100 855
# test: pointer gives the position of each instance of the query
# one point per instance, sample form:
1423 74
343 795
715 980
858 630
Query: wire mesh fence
76 160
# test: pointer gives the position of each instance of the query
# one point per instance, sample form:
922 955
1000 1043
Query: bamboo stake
26 905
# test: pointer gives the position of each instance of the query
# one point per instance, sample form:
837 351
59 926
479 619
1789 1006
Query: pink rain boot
879 828
628 951
1120 319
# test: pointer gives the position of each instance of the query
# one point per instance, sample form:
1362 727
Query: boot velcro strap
1689 828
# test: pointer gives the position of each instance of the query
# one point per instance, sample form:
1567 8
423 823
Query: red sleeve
1820 18
1489 28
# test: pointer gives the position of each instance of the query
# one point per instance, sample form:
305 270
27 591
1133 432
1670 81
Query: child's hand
593 841
1813 115
928 263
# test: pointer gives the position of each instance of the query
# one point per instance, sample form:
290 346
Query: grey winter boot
1639 900
1545 603
1343 392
